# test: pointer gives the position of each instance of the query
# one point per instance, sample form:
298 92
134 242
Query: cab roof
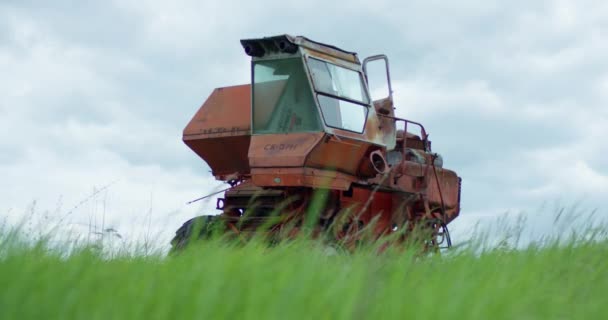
286 43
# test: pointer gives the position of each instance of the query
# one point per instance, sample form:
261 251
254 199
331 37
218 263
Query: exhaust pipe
378 162
373 165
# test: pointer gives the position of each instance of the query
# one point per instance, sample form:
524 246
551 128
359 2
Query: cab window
341 94
282 98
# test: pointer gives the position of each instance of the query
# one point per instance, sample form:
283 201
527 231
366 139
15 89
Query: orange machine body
307 123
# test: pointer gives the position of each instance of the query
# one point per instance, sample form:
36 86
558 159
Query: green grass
301 280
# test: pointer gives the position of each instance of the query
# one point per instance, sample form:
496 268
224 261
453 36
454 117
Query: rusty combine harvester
305 126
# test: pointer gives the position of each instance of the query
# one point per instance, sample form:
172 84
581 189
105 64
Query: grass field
300 280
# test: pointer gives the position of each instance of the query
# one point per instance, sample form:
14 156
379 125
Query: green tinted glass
282 98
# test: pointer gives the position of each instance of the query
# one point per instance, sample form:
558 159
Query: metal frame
388 73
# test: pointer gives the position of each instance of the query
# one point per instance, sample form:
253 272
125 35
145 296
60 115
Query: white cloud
424 97
514 95
565 171
71 129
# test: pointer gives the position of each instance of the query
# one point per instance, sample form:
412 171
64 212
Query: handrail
424 135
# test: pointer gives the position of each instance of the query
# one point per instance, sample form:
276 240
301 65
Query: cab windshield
341 94
282 98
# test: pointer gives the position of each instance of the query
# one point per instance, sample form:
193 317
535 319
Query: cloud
425 96
76 124
514 95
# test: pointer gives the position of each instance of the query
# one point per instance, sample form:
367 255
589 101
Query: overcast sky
95 97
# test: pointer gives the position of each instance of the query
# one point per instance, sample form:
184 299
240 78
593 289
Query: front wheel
200 227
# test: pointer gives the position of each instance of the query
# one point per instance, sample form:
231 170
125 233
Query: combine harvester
305 145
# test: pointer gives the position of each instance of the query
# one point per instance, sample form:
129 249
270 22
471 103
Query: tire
201 227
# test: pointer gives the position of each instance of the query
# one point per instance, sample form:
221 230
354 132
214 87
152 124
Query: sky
94 97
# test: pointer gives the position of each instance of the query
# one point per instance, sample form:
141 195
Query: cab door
378 79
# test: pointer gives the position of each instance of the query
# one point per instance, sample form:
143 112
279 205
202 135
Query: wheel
200 227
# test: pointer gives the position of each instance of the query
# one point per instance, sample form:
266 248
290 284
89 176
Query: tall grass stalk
298 279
